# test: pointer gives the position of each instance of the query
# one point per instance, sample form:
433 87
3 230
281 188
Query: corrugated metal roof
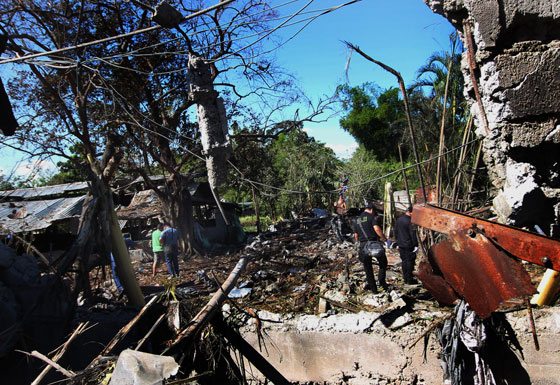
43 192
144 204
38 215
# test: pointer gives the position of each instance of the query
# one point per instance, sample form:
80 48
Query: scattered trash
239 293
139 368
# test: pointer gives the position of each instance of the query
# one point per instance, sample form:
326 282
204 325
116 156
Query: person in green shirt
157 247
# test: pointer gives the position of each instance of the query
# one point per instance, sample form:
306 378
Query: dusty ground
289 274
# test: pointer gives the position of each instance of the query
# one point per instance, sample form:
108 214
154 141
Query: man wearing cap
367 231
408 244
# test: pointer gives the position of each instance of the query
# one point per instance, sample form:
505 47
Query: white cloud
31 169
343 150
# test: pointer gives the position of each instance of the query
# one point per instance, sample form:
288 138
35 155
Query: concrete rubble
306 311
138 368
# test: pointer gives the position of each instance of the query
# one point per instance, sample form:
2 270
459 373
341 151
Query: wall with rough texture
517 47
357 349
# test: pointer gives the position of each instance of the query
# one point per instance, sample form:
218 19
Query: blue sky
400 33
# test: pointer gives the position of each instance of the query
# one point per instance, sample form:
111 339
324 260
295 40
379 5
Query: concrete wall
357 349
517 51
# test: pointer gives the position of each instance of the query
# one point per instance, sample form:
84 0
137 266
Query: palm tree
433 75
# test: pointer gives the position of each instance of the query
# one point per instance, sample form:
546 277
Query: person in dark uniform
408 245
367 230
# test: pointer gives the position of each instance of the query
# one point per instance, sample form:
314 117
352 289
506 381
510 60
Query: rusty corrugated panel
531 247
479 272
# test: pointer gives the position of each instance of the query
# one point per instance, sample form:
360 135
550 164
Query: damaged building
513 52
291 305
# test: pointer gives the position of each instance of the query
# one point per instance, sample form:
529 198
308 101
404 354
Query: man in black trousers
408 245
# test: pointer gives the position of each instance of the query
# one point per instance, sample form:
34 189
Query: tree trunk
212 120
178 209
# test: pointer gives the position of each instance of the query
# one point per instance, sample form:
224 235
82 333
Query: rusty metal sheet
479 272
435 284
531 247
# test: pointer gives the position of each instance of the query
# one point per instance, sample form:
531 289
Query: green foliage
361 169
375 119
249 222
291 161
302 164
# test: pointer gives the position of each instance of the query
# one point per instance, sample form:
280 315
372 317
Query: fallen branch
35 250
204 315
42 357
258 361
79 330
406 108
123 332
434 325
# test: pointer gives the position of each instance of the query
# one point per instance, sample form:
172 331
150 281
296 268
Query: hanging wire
222 3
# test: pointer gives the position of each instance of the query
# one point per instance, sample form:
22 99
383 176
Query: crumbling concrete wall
358 349
517 51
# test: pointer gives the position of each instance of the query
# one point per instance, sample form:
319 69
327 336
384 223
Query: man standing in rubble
169 239
157 248
338 218
408 245
368 233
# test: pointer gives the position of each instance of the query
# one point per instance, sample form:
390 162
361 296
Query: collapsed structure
513 51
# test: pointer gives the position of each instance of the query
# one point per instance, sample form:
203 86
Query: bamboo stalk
256 205
404 177
406 108
458 173
152 329
123 332
475 166
439 177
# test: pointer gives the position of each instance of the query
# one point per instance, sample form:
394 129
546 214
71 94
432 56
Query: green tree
304 165
375 119
362 170
433 75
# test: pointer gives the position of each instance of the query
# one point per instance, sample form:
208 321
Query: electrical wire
268 32
192 34
309 20
290 191
111 38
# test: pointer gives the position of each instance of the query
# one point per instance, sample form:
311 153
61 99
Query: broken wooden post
388 209
206 313
124 265
254 357
256 206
